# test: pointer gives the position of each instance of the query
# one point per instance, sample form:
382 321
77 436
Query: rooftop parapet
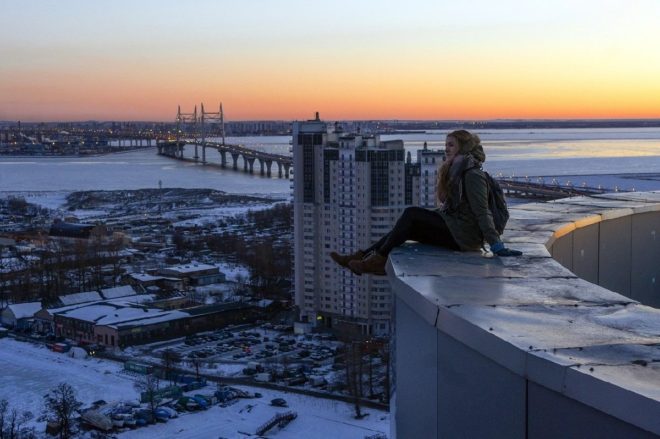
533 347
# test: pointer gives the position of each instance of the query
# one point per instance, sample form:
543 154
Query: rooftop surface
538 319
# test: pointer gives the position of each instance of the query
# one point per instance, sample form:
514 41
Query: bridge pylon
207 118
186 120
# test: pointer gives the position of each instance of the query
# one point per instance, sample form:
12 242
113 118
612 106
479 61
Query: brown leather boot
343 260
372 264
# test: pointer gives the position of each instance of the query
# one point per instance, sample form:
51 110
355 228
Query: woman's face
451 148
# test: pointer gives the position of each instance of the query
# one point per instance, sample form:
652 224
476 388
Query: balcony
538 346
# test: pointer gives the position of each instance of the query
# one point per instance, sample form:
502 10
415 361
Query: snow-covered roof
143 277
73 299
264 303
190 268
132 300
122 291
24 310
159 318
215 288
106 314
119 302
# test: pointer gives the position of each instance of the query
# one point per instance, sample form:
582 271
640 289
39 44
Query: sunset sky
359 59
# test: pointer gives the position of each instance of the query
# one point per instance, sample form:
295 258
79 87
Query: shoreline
79 156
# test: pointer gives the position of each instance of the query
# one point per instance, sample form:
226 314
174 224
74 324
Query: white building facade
348 191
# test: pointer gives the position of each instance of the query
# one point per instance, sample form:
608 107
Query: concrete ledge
537 323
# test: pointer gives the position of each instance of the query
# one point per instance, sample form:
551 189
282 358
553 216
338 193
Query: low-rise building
117 323
72 231
20 315
194 273
145 280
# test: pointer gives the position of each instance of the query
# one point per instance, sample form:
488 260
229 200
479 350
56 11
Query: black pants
416 224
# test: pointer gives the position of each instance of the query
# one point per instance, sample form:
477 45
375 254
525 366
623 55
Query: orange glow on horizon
116 94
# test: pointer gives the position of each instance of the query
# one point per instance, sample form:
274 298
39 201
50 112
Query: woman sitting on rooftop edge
462 221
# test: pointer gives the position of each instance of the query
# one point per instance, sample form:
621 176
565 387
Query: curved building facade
562 342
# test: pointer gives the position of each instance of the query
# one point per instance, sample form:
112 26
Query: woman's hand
508 252
500 250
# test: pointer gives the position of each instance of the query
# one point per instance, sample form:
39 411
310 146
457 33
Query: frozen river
564 153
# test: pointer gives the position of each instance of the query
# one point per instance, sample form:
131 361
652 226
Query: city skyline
420 60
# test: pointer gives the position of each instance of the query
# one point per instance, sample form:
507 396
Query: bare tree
170 359
353 364
196 362
11 422
61 403
4 408
385 356
149 385
15 423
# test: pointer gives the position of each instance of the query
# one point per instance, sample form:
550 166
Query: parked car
278 402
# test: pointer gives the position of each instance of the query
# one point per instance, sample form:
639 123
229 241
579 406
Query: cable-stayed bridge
207 126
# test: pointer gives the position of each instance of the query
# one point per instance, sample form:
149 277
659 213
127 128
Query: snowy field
30 371
317 419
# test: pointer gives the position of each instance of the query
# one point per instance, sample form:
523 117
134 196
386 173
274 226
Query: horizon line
357 120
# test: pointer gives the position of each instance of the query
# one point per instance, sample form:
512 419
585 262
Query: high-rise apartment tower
348 191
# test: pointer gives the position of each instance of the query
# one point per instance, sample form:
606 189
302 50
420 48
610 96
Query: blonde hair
466 143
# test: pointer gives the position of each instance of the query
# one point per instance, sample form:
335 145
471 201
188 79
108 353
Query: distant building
78 298
348 191
20 315
119 324
428 162
123 291
194 273
72 231
147 281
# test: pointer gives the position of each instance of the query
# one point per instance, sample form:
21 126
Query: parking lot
248 350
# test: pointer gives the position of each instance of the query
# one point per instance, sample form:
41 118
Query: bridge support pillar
234 156
279 169
203 154
196 154
250 162
261 167
223 159
286 170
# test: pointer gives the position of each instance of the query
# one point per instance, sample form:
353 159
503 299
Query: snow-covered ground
233 272
317 419
30 371
212 215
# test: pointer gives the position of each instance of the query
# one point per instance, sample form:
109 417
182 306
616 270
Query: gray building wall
619 254
460 369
